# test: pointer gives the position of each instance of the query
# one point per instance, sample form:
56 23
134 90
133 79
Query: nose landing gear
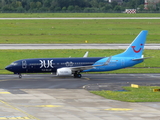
19 74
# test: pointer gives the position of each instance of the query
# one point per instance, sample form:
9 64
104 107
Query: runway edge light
134 86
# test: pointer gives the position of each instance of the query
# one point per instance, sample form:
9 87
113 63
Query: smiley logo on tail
136 51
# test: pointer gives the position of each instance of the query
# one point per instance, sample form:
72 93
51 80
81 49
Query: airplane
74 66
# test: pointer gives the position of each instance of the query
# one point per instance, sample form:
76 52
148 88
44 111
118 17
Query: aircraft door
24 64
123 62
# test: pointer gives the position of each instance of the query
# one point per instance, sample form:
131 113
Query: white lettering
46 70
69 64
46 64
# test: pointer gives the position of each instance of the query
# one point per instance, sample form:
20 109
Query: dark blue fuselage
40 65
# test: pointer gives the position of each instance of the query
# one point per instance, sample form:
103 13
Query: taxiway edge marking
30 116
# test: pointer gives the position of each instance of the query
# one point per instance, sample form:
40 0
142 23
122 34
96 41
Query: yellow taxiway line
28 115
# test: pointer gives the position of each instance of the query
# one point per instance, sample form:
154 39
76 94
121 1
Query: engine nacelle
64 72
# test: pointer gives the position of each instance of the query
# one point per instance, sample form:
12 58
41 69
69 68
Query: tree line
72 6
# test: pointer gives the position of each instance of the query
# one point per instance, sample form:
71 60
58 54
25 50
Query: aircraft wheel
79 75
20 76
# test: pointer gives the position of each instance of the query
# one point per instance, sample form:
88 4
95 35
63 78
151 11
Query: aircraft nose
9 67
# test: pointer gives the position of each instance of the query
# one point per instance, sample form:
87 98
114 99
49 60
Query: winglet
86 54
106 63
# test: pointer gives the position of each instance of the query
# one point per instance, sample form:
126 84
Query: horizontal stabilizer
141 58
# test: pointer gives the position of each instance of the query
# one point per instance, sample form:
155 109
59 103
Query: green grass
141 94
8 56
77 31
48 15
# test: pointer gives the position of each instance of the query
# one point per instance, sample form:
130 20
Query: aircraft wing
80 68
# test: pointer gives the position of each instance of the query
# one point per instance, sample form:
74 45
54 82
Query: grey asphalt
73 46
46 97
42 81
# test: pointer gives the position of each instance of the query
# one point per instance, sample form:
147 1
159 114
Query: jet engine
64 72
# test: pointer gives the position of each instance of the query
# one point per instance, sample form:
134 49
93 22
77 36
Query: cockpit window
14 63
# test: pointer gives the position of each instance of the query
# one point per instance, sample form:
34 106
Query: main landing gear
77 75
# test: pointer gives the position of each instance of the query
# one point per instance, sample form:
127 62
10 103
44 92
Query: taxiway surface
46 97
48 81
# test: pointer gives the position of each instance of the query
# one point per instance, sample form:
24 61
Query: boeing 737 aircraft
74 66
